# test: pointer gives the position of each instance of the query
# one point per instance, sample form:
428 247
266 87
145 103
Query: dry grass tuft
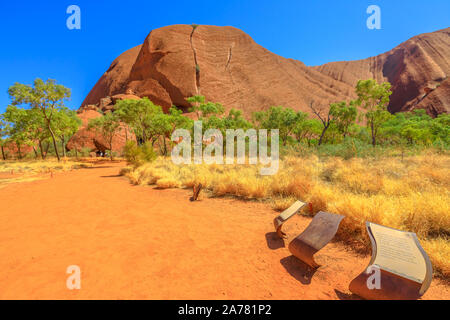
12 171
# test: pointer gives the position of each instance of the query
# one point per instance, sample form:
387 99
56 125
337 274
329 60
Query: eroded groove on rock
197 67
230 55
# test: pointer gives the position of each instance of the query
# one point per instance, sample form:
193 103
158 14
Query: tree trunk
110 150
42 151
165 146
18 150
323 134
54 141
35 152
3 153
63 144
374 141
46 150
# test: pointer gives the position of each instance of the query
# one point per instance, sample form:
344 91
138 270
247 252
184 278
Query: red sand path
140 243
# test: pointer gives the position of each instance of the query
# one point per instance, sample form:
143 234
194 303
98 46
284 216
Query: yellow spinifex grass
30 170
39 166
412 194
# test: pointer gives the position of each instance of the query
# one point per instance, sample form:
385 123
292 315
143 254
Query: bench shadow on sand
112 176
346 296
298 269
273 241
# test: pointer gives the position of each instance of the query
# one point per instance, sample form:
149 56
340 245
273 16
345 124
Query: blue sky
36 42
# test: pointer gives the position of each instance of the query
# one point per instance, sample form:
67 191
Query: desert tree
46 96
440 128
139 116
164 124
344 116
37 132
67 124
19 130
4 132
410 128
162 128
307 129
108 126
374 99
325 117
235 120
204 109
283 119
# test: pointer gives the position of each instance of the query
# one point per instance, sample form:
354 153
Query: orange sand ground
141 243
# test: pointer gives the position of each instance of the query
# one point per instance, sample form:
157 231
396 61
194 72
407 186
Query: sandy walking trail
136 242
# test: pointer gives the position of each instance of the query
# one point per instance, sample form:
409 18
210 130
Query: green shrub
138 155
147 154
131 152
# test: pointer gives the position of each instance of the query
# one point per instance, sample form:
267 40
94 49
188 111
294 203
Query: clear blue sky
36 42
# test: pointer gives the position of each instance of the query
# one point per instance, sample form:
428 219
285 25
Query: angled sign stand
399 269
285 216
317 235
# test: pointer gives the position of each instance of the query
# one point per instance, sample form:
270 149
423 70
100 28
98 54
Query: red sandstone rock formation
225 65
85 138
11 150
418 70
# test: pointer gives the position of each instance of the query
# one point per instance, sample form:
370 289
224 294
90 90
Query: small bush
138 155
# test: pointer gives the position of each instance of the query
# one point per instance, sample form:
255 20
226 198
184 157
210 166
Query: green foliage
67 124
374 99
416 128
4 132
235 120
284 119
48 97
140 116
307 129
204 109
138 155
349 148
344 115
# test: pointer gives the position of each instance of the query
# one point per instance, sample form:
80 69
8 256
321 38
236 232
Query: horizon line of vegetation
38 117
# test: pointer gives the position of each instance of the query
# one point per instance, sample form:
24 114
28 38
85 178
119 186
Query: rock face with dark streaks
418 70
